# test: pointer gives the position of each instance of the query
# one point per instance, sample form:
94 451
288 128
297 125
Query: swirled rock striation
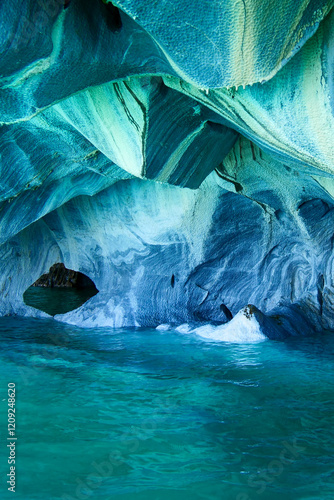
180 155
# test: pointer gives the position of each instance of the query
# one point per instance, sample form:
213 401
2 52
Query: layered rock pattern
131 153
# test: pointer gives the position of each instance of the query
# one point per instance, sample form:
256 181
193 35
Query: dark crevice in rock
320 286
279 214
112 16
226 311
238 187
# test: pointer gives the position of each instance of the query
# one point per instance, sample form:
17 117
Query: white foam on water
243 328
185 328
163 328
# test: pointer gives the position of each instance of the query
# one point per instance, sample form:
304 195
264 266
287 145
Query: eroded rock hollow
179 154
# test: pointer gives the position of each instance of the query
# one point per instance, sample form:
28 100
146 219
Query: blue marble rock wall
180 154
231 43
165 254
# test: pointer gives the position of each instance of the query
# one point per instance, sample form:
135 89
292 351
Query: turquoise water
57 300
147 415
